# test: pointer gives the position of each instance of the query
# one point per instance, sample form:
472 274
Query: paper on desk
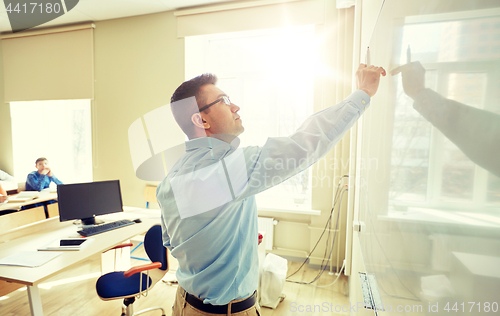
24 196
55 245
29 258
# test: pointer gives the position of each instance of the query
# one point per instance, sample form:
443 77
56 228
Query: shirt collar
209 142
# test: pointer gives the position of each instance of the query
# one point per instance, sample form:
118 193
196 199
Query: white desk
30 237
43 196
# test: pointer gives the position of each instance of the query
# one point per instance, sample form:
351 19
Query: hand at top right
368 78
413 78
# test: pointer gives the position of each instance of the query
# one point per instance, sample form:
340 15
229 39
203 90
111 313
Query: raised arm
237 173
283 157
3 194
475 131
55 180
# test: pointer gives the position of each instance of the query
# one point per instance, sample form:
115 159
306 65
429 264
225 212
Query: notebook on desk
24 196
30 259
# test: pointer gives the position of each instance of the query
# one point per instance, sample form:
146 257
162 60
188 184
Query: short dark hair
191 88
183 111
40 159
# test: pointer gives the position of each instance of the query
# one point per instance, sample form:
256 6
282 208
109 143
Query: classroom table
33 236
43 196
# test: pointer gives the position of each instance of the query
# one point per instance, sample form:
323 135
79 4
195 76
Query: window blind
246 16
50 64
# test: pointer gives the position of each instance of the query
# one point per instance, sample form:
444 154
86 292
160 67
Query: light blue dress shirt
209 214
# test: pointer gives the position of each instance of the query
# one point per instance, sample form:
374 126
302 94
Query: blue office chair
138 280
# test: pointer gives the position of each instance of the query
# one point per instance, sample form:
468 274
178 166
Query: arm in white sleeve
475 131
4 176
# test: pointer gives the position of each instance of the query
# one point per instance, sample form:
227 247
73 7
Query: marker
408 54
368 56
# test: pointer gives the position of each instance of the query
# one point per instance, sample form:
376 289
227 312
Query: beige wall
139 61
6 158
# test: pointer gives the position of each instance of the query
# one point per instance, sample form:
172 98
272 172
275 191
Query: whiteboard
428 186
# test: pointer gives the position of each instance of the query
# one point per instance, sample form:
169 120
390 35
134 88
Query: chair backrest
153 244
150 194
21 186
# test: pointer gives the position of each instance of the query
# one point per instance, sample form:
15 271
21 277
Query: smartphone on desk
71 242
65 244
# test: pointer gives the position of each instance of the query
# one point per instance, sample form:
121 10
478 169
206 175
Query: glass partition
430 185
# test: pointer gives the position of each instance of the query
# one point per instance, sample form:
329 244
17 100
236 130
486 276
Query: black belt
220 309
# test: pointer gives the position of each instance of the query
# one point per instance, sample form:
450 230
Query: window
58 130
441 175
268 74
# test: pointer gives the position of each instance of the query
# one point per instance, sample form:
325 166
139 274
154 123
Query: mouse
137 220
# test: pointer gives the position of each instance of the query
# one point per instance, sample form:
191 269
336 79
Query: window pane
493 190
464 40
58 130
410 148
268 74
458 174
468 88
458 170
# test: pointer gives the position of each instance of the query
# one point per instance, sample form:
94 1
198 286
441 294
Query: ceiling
98 10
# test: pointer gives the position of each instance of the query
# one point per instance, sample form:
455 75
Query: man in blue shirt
209 214
40 179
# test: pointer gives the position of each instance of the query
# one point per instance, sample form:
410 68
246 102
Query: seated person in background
40 179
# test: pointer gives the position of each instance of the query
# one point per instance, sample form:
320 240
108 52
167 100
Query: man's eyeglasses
224 98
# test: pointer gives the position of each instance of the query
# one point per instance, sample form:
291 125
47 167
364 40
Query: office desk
44 196
30 237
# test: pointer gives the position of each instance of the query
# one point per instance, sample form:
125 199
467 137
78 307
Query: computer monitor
85 201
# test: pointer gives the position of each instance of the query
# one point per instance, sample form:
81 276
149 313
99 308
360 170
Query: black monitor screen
86 200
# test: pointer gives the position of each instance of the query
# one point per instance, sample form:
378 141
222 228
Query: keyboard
93 230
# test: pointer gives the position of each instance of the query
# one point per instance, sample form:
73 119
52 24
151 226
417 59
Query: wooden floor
72 293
